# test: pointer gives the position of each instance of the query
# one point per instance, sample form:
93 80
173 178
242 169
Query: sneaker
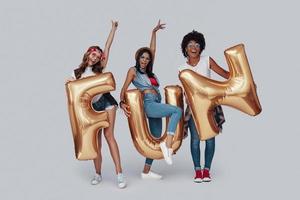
166 153
121 180
206 175
96 179
170 153
199 177
151 175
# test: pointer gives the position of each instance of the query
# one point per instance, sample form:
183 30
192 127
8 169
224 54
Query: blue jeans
155 110
195 147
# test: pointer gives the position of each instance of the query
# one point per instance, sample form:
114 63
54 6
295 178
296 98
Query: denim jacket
142 82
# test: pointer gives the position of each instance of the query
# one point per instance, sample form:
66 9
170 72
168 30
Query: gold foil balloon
204 94
144 142
85 121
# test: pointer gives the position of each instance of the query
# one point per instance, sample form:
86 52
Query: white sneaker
151 175
121 181
166 153
96 179
170 153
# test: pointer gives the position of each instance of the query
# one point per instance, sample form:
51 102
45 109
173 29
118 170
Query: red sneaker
198 178
206 175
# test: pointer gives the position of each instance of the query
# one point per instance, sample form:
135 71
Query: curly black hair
197 37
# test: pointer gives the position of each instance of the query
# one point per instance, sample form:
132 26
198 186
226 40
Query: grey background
43 41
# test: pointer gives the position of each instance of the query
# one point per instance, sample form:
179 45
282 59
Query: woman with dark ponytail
142 77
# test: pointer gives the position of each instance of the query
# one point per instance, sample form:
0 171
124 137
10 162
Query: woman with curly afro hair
192 46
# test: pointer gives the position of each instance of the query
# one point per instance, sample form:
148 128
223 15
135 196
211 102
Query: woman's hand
126 109
114 25
110 38
69 79
159 26
153 38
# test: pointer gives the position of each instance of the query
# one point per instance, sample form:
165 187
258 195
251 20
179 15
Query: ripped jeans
155 110
195 147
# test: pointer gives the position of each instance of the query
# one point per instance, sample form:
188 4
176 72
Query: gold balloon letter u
85 121
204 94
144 142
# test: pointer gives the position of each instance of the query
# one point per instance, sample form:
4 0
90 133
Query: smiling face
94 56
144 60
193 49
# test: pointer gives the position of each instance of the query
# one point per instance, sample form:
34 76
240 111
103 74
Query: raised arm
129 78
153 37
110 38
219 70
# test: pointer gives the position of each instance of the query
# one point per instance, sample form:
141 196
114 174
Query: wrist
121 102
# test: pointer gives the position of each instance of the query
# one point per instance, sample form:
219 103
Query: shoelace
206 173
120 178
198 174
170 152
97 176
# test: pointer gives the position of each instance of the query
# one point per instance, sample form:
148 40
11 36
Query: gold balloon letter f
85 121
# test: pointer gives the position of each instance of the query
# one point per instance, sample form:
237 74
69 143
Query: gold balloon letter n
85 121
204 94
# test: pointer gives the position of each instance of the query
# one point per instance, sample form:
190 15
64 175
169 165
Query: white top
88 72
202 67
